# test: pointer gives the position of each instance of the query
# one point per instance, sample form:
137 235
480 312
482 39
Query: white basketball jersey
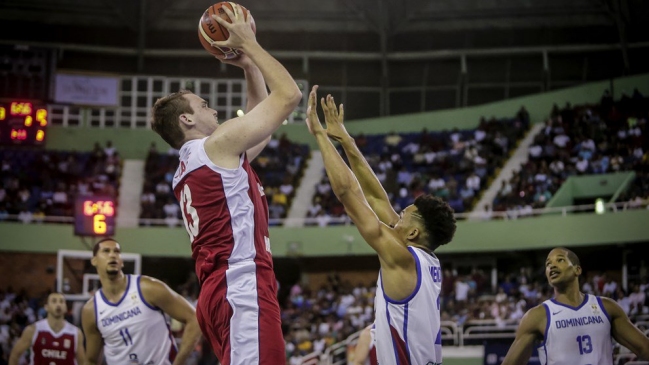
577 335
408 331
134 332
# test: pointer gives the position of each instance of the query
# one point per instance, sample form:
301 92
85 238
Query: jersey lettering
576 322
105 322
190 215
436 272
54 354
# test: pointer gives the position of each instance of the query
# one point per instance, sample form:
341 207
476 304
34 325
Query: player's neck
56 324
569 295
114 286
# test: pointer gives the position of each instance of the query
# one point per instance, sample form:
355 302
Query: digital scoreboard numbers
94 216
22 124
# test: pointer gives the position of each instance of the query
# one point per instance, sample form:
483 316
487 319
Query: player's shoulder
149 281
89 304
535 319
610 306
30 330
88 308
152 288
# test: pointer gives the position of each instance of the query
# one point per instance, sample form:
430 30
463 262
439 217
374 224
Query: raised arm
238 135
255 94
528 332
624 332
370 184
348 191
22 345
94 341
160 295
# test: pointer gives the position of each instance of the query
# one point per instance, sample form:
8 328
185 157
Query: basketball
210 31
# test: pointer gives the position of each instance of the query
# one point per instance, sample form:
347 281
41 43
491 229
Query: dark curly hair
439 220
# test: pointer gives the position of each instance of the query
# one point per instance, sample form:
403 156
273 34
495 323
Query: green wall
533 233
134 143
590 186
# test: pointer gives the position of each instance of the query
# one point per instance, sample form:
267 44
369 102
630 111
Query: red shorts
240 316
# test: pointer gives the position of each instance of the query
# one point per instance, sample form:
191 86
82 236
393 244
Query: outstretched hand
240 29
334 119
312 120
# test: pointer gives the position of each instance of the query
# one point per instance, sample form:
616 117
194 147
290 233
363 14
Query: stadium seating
587 139
454 165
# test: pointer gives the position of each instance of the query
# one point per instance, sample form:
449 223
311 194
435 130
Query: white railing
487 329
509 215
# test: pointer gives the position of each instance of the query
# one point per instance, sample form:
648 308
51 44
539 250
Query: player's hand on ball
242 61
240 29
312 120
334 119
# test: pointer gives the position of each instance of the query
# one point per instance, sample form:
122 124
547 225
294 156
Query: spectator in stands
610 288
636 300
461 289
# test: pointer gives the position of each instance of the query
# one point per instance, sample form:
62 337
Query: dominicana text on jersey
134 332
577 335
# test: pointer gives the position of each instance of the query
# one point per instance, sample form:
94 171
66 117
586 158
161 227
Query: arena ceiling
332 15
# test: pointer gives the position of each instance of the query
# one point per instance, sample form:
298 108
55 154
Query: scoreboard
94 216
22 123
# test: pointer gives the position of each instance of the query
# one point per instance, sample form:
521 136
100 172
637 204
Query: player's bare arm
256 92
370 184
397 263
22 345
94 341
530 330
160 295
238 135
80 355
624 332
362 350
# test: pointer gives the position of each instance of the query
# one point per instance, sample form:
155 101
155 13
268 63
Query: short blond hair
166 112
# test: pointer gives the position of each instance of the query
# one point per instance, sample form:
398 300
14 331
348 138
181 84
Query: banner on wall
86 90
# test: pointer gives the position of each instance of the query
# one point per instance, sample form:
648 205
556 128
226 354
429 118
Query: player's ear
413 233
93 261
577 270
184 119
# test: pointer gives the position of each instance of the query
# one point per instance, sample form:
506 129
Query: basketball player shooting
127 315
223 204
573 328
52 340
409 284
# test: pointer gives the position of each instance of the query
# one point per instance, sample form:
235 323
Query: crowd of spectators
280 167
589 139
17 311
40 183
454 165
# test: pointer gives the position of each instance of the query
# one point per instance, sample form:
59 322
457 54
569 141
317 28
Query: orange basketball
210 31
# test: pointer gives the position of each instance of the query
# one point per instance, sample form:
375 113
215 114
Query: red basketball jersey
50 348
225 213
